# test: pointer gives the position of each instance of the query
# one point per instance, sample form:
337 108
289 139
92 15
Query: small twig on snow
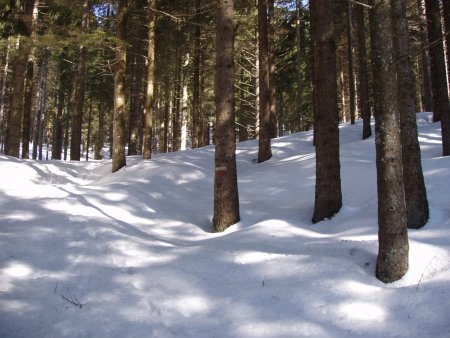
426 268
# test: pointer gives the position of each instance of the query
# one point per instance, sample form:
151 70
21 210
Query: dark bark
273 126
119 133
441 106
415 191
196 110
14 118
300 59
176 125
363 83
392 262
99 139
446 12
148 123
351 68
226 198
42 103
427 97
265 149
328 194
78 91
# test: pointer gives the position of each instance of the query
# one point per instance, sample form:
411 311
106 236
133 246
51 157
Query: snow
87 253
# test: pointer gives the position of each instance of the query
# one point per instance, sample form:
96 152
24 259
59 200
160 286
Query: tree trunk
4 83
226 198
426 67
363 84
14 119
78 91
148 124
446 11
441 106
42 103
300 57
176 125
265 150
328 196
119 133
392 261
273 126
99 140
415 191
351 68
196 109
29 88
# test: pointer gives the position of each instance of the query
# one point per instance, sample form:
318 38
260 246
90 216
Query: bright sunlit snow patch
362 312
18 270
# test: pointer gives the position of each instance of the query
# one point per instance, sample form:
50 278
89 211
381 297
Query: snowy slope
86 253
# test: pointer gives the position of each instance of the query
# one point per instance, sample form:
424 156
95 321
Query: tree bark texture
196 109
351 68
392 262
300 57
415 191
119 134
427 98
265 149
363 84
149 99
14 118
328 194
441 106
226 198
78 92
273 130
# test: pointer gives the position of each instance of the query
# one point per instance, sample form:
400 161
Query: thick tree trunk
392 261
363 84
446 11
78 91
328 196
441 106
415 191
226 198
265 149
119 133
149 99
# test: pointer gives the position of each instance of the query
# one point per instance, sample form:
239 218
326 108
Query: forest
102 95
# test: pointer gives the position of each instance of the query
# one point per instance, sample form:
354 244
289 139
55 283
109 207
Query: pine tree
265 149
147 139
328 194
392 262
415 191
119 138
226 198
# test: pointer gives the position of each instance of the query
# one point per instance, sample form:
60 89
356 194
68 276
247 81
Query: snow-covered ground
87 253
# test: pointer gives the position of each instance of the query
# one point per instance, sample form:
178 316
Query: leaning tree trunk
78 92
392 261
148 124
328 196
265 149
226 198
119 133
415 191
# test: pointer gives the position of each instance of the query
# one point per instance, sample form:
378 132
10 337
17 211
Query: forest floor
87 253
